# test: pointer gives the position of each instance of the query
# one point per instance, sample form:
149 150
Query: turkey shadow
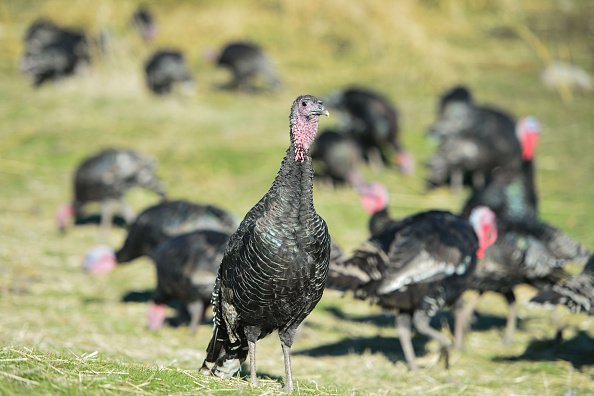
486 322
579 351
137 296
380 320
181 316
388 346
262 375
95 218
441 319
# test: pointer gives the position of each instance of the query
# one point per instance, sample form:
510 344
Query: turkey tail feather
223 358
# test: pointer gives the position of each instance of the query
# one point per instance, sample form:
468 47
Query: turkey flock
266 270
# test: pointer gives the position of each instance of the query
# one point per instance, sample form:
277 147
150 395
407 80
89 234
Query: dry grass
64 333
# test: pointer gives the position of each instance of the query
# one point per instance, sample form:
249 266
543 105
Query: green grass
64 333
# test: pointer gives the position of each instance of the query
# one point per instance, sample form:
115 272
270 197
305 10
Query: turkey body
338 158
276 264
107 176
516 258
473 141
168 219
164 70
371 120
576 292
511 194
528 250
415 266
247 62
53 52
187 267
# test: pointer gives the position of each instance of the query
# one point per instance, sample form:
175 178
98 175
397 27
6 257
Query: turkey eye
303 104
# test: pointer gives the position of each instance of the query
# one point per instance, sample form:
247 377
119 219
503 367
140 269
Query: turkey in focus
275 267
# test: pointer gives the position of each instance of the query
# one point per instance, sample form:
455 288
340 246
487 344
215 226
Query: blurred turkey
576 292
336 158
416 267
251 69
144 23
512 192
516 258
373 122
53 52
375 199
163 221
473 142
512 196
528 250
187 267
165 70
275 267
105 177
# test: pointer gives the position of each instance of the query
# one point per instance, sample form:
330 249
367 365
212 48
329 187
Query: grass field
62 332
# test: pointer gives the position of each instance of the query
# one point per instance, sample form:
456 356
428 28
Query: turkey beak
321 110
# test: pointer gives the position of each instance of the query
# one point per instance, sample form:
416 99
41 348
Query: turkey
144 23
251 68
336 158
165 70
53 52
516 258
512 192
187 267
375 199
160 222
474 141
373 122
512 196
276 264
105 177
416 267
576 292
528 250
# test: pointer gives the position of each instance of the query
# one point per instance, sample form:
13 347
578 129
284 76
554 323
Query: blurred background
224 147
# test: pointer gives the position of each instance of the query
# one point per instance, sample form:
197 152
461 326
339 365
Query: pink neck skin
155 315
487 237
100 260
304 133
529 142
374 197
483 222
103 265
64 216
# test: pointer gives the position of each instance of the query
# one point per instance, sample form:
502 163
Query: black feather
53 52
276 264
168 219
248 64
166 69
